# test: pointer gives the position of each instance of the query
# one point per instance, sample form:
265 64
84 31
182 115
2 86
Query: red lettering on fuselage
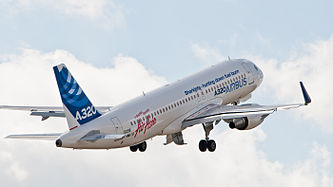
141 113
144 126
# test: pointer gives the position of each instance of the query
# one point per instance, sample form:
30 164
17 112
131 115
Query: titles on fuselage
231 87
216 80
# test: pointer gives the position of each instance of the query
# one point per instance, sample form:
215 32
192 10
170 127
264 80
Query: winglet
306 96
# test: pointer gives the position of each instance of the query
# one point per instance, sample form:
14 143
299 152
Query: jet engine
247 123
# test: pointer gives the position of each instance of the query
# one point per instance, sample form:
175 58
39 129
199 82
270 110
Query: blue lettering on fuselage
231 87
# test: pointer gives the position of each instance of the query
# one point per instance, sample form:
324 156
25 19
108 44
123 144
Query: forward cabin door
249 73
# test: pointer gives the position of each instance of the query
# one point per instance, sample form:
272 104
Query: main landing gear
142 147
207 143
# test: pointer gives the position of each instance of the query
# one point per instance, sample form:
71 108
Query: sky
117 49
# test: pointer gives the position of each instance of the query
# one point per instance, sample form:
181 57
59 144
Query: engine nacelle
247 123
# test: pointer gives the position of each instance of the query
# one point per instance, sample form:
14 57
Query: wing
51 136
48 111
218 112
96 135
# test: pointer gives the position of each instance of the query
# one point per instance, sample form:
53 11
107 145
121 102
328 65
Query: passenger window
186 100
191 97
131 123
177 103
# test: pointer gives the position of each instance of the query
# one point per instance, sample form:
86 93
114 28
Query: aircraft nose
261 74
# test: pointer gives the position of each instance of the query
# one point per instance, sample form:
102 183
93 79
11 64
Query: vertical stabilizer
78 108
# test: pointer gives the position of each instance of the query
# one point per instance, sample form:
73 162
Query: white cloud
14 168
207 54
106 11
28 79
315 69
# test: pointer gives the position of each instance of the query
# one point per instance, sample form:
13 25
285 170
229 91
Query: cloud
14 169
27 78
314 67
106 11
207 54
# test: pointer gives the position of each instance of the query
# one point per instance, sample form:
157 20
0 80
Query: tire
211 145
203 145
142 146
134 148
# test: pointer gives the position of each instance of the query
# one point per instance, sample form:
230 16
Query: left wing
48 111
219 112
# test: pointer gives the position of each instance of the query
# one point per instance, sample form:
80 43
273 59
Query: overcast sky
117 49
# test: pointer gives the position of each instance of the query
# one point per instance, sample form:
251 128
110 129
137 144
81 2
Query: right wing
212 112
48 111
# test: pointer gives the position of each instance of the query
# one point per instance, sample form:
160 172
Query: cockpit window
255 67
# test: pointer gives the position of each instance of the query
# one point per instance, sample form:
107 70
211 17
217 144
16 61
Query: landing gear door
117 125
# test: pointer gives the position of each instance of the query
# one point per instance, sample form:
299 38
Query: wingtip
306 96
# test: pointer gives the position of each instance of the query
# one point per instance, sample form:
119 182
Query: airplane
205 98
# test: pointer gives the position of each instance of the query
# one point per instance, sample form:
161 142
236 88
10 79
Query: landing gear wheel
203 145
211 145
142 146
134 148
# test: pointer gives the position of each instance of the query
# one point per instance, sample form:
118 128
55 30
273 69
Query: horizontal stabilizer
51 136
48 111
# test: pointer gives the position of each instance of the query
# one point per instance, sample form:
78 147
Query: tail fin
78 108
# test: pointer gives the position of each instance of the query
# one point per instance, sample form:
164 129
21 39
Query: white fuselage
161 112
